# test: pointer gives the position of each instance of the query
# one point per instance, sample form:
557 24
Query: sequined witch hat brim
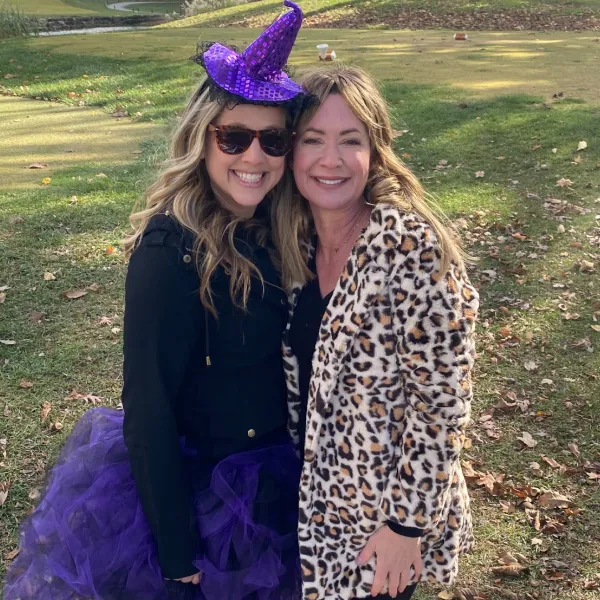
257 74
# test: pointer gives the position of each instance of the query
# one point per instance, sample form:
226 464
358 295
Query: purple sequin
257 74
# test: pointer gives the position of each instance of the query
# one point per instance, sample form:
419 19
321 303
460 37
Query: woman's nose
331 156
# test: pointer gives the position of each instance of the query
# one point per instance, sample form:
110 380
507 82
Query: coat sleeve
433 319
163 318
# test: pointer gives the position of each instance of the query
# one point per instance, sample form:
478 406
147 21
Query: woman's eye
352 142
311 141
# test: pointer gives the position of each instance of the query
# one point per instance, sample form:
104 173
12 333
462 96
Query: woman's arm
163 322
433 319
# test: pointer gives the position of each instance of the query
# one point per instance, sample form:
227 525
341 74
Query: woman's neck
338 229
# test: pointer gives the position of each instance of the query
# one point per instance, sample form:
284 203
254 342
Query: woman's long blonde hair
390 180
183 187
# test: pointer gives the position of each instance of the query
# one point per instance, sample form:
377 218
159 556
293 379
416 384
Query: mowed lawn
82 8
477 122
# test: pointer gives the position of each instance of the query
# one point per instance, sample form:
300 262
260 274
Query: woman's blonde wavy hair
390 181
183 187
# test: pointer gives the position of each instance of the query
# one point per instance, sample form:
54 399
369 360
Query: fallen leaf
595 328
530 365
56 426
12 554
94 287
49 276
46 408
46 180
519 236
109 249
585 266
507 558
581 146
547 382
574 449
554 575
554 500
552 462
8 342
562 182
445 595
101 175
25 384
512 570
103 321
528 440
537 541
534 466
560 228
479 174
2 297
36 317
36 165
74 294
3 493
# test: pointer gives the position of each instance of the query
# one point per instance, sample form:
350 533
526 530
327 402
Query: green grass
83 8
452 112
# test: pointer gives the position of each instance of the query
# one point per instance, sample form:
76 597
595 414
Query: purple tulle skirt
88 539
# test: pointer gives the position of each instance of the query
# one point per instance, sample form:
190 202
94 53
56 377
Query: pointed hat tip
292 5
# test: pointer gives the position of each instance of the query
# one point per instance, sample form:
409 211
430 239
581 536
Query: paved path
124 5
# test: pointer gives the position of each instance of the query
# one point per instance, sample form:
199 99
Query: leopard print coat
389 401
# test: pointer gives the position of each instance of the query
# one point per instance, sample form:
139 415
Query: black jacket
170 391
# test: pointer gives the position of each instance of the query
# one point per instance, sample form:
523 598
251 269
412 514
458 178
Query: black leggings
405 595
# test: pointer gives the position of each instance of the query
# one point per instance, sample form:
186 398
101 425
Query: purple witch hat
257 74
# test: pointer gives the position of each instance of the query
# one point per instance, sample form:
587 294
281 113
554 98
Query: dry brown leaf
25 384
552 462
74 294
574 449
36 317
12 554
94 287
530 365
46 408
2 297
507 558
446 595
562 182
528 440
3 493
512 570
554 500
470 594
554 575
36 165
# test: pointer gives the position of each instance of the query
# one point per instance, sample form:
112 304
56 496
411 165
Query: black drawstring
206 338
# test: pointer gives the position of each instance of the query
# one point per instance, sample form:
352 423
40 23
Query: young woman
192 491
379 353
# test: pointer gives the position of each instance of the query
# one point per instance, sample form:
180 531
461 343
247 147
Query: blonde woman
379 353
192 493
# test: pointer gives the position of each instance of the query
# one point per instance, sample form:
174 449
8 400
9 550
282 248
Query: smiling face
241 181
332 157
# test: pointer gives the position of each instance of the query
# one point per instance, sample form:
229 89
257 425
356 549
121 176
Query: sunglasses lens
234 141
276 142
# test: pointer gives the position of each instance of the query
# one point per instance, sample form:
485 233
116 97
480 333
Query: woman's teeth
249 177
329 181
